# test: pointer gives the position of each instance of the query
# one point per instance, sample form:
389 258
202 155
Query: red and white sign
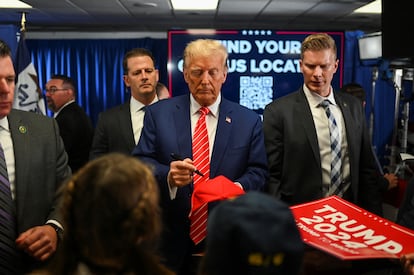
349 232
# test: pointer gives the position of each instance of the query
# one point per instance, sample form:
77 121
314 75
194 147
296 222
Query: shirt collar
4 123
195 106
61 108
315 100
136 105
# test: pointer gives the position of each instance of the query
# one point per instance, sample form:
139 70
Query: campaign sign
348 232
262 65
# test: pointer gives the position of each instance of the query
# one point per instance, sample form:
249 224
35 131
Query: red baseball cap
218 188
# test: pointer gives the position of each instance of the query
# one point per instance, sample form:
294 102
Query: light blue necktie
336 162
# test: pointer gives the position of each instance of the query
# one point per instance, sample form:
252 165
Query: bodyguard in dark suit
37 164
299 149
118 129
235 140
74 124
296 130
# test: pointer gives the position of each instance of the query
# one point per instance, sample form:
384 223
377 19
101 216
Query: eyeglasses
53 90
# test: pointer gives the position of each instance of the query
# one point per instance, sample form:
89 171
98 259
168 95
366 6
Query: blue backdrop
96 65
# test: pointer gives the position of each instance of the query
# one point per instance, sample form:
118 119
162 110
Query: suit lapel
184 136
346 112
350 126
125 124
353 132
20 133
305 115
224 129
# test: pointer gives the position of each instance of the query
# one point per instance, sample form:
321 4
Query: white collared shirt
137 116
322 131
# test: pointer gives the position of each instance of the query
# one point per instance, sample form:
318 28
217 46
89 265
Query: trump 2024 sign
348 232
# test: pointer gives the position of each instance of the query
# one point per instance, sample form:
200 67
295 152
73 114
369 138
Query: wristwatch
59 231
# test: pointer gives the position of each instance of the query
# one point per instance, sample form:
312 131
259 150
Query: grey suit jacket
113 132
41 166
293 152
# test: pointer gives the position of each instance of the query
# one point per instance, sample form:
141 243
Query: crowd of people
188 185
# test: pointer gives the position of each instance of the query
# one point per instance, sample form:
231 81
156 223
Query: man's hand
392 180
40 242
181 172
407 262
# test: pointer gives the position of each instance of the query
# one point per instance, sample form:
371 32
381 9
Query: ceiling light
373 7
14 4
194 4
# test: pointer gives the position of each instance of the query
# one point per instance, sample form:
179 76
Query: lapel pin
228 120
22 129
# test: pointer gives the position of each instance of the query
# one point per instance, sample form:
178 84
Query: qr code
256 91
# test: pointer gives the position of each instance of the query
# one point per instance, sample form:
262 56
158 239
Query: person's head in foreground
252 234
111 218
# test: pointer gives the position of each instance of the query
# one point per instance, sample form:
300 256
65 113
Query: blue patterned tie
336 162
8 251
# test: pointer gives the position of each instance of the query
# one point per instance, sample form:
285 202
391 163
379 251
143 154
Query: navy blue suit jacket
238 153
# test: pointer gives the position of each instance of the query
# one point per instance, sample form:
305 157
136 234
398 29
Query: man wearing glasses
75 126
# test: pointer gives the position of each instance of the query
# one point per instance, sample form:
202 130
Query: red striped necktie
198 218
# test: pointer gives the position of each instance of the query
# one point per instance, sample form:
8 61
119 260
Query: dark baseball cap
252 234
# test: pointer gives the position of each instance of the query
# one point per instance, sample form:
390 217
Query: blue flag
27 95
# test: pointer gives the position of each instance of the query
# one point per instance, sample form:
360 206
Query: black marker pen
178 157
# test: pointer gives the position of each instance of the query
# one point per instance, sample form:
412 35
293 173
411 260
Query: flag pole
23 22
28 95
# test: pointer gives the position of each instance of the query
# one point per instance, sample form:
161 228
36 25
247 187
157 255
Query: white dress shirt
322 130
137 116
